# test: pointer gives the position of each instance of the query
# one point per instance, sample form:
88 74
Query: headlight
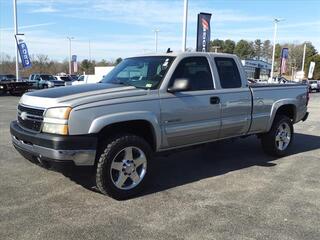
56 120
59 112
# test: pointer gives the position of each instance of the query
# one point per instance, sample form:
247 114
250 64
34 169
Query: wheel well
141 128
288 110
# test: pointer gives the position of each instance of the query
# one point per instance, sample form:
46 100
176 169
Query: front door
191 116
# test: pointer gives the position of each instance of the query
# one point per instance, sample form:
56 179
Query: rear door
191 116
235 98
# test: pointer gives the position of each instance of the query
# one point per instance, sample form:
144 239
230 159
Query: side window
228 72
37 77
197 70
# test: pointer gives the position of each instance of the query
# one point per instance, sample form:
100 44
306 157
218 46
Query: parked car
41 81
150 104
74 77
314 85
67 80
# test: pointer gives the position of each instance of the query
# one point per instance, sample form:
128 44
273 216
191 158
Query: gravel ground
227 190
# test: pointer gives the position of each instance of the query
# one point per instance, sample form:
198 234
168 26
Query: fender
276 105
99 123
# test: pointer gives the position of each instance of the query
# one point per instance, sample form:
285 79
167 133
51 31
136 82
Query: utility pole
156 31
304 56
276 21
70 38
185 20
15 22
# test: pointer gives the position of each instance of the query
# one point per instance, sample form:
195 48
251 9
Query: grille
30 118
32 111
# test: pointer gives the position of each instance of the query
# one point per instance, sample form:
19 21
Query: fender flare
275 107
99 123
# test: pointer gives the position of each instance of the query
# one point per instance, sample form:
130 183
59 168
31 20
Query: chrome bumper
79 157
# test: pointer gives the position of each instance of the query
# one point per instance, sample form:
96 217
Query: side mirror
180 85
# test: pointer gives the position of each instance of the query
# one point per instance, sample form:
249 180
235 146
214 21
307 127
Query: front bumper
80 149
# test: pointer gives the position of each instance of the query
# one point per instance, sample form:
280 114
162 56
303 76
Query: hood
78 94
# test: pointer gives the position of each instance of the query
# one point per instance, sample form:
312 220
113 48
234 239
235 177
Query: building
257 69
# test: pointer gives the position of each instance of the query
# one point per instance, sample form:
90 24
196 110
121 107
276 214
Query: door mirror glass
180 85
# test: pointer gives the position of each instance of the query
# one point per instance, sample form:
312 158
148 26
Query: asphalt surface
227 190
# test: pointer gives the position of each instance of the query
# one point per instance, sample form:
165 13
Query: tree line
262 50
257 49
43 64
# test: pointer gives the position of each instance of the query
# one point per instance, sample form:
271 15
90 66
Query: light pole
156 31
70 39
15 22
304 56
184 30
90 50
276 20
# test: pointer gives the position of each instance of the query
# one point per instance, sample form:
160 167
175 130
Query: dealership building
257 69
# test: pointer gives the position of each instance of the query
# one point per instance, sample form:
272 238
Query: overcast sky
121 28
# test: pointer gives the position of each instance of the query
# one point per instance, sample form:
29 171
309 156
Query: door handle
214 100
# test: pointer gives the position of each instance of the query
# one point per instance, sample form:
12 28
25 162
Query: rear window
228 72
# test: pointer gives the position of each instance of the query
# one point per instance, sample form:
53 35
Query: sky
122 28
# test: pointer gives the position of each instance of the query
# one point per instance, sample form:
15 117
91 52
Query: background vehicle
314 85
99 73
74 77
9 84
67 80
154 103
41 81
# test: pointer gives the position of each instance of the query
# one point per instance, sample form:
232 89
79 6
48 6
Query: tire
45 86
278 140
124 166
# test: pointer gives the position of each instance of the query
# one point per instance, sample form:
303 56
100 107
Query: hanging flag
311 69
23 51
203 32
284 60
74 63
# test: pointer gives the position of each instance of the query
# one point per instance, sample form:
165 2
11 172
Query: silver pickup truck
149 104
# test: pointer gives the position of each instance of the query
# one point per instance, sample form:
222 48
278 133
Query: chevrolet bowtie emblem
23 115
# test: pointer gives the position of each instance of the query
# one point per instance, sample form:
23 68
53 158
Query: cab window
228 72
197 71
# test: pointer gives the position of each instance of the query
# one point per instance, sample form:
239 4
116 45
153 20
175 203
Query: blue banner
24 55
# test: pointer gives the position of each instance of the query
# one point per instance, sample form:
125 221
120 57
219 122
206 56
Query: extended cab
150 104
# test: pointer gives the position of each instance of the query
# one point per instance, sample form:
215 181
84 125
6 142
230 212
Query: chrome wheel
128 168
283 136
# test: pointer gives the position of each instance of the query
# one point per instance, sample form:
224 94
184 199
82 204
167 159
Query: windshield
140 72
47 77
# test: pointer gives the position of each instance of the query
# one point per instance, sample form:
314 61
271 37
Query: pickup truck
41 81
8 83
150 104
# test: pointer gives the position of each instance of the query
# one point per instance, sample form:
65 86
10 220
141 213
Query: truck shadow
211 160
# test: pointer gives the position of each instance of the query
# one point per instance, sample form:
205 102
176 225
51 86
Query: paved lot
228 190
